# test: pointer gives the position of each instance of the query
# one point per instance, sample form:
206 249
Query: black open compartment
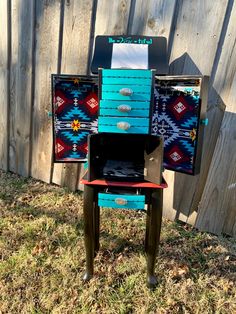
125 157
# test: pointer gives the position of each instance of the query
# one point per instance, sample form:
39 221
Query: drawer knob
126 91
124 108
123 125
121 201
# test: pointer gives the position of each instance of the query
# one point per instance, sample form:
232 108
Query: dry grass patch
42 259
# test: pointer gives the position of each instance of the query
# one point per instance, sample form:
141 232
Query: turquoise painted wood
115 129
135 96
113 104
132 113
138 109
135 88
127 80
111 200
132 121
126 73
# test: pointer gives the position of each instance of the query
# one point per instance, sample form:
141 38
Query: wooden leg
89 230
148 196
96 227
154 235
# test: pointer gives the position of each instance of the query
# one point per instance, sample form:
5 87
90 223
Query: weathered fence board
21 81
153 18
217 210
74 60
13 70
4 95
221 82
46 61
112 17
195 18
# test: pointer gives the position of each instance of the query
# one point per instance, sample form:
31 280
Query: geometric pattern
176 118
75 115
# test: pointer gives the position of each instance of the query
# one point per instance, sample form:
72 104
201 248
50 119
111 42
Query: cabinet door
75 115
153 156
179 116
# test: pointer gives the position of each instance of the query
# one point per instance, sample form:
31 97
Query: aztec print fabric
176 118
75 111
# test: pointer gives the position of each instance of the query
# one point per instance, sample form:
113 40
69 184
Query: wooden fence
40 37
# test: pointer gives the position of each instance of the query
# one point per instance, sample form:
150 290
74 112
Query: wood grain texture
190 55
220 96
153 18
74 60
112 17
168 195
197 32
46 59
4 91
217 210
13 97
21 81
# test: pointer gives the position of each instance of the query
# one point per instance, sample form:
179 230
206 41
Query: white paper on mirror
131 56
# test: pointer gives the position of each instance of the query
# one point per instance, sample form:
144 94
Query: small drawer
123 125
128 80
125 108
121 201
127 73
126 92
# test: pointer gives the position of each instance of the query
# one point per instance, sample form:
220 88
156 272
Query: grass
42 259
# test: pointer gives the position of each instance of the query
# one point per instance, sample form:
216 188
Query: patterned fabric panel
176 118
75 115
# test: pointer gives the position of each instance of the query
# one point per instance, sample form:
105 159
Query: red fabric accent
60 101
60 148
176 156
91 101
179 107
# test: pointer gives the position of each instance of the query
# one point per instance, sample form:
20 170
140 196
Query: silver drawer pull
124 108
121 201
126 91
123 125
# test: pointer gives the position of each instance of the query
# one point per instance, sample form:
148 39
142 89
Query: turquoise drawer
125 108
121 201
139 92
128 80
127 73
123 125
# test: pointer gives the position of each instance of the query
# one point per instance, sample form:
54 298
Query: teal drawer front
126 108
114 129
132 113
121 201
114 104
127 80
117 96
114 73
135 88
123 125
